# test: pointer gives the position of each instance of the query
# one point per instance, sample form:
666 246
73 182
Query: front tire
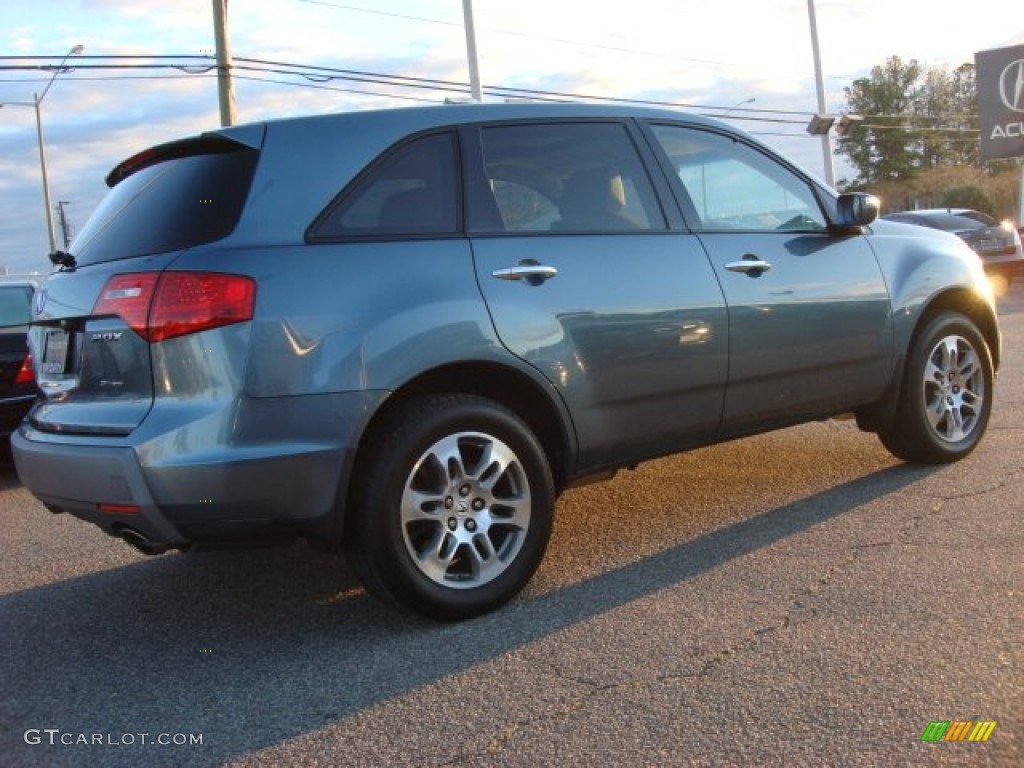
452 507
946 396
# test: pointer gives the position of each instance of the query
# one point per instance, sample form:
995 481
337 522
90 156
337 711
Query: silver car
405 332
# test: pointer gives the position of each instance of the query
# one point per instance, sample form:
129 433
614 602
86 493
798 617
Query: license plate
55 353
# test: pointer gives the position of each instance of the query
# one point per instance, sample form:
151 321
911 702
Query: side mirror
857 209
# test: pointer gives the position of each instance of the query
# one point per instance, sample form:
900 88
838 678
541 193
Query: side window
570 177
522 207
732 186
412 191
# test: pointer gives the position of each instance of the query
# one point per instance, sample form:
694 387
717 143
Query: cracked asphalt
799 598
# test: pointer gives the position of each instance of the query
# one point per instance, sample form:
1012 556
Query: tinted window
949 222
730 185
978 217
919 220
178 203
15 305
575 177
412 191
966 220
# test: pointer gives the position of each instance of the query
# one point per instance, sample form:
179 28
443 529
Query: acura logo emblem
40 302
1011 86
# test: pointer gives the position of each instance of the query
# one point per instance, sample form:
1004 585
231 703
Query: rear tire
946 397
452 507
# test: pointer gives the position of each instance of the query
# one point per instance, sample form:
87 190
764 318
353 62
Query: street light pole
51 233
37 100
734 107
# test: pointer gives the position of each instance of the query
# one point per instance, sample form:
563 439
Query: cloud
700 53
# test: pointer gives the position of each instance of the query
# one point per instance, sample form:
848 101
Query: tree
930 108
915 120
963 93
968 196
880 149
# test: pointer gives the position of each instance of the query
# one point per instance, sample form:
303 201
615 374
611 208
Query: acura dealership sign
1000 80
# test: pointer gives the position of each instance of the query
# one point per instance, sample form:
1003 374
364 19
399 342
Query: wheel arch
955 299
974 307
516 390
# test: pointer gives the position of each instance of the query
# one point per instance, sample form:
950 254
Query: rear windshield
956 222
178 203
976 219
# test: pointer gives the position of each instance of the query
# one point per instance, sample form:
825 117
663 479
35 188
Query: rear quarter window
411 191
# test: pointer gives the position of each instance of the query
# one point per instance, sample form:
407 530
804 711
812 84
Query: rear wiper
62 259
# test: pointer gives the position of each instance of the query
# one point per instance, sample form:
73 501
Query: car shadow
258 647
8 477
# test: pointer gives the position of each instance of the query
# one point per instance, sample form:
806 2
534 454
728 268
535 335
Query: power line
318 76
321 74
516 33
920 129
334 88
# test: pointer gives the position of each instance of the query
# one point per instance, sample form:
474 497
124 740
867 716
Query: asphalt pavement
798 598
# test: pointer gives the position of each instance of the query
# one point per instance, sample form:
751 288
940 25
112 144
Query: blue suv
405 332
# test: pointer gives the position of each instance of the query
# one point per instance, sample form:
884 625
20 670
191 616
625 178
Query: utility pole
1020 218
65 223
826 142
225 88
474 70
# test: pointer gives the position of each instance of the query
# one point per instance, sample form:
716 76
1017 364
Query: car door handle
750 265
528 270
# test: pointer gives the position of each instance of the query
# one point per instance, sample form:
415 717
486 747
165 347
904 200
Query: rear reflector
160 306
118 509
25 375
129 297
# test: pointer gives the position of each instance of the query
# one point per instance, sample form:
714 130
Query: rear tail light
25 375
118 509
160 306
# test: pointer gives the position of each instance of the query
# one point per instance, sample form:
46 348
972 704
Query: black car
17 383
998 245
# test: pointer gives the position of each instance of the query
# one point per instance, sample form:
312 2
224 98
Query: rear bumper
78 479
1010 265
266 466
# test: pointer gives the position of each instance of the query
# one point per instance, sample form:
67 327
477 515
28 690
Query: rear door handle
750 265
529 270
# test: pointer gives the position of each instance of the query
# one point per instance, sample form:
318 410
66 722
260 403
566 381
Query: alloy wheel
465 510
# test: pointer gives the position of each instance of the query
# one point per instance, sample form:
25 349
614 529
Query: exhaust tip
140 542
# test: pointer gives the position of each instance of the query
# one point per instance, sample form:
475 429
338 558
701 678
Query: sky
740 59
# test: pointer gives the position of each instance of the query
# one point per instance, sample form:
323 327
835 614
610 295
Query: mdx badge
107 336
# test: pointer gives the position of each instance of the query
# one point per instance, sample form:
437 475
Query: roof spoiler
211 142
